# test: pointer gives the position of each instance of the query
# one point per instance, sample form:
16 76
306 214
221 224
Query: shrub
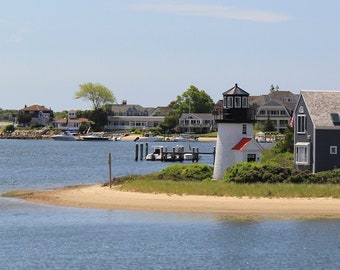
191 172
9 128
251 172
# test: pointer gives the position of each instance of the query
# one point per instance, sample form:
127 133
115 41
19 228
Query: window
237 102
229 102
301 124
333 150
251 157
302 153
244 129
245 102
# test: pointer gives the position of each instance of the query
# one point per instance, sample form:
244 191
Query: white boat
95 137
65 136
115 137
183 138
177 154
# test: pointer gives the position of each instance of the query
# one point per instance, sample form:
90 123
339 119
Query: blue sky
148 52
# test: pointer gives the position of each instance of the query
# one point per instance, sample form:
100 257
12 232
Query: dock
164 154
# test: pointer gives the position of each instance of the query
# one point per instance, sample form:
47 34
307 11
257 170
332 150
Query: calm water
34 236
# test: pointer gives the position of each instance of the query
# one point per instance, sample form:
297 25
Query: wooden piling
141 151
110 175
136 152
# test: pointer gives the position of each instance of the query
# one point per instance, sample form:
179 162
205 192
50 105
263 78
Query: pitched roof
236 90
320 105
203 116
35 108
241 144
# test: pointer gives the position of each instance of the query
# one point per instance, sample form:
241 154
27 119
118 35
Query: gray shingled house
317 131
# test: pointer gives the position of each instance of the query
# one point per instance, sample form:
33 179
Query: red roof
241 144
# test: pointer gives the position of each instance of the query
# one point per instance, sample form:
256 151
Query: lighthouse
235 141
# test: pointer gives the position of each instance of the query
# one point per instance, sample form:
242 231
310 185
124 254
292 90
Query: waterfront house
277 107
317 131
131 116
196 123
71 123
35 115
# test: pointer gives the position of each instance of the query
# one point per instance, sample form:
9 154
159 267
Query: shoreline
102 197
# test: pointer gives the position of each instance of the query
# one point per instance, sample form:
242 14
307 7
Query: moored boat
65 136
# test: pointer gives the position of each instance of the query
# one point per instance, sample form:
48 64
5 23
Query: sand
102 197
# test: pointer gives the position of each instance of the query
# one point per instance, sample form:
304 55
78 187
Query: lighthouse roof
236 91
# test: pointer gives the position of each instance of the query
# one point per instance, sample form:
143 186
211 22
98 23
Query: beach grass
220 188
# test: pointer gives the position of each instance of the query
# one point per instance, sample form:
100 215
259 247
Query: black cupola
236 106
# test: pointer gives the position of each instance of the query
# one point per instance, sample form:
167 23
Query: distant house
71 123
275 112
39 115
196 123
130 116
317 131
276 107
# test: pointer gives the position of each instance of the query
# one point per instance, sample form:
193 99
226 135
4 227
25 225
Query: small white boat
156 154
65 136
177 154
184 138
115 138
95 137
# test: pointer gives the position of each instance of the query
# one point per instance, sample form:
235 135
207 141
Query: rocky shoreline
31 134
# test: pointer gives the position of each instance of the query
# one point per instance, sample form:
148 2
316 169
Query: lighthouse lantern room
235 141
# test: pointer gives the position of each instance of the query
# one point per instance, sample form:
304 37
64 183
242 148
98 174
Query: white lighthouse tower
235 141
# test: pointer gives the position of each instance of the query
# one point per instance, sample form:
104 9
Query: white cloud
224 12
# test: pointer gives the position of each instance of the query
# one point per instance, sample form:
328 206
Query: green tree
96 93
24 119
170 122
268 126
193 100
99 117
287 144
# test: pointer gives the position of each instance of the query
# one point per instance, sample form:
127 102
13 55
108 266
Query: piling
136 153
141 151
110 175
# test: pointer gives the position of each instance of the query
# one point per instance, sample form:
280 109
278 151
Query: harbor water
34 236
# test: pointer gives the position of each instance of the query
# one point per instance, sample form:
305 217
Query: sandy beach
102 197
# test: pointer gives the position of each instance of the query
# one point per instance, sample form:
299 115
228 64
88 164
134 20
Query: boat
95 137
184 138
65 136
160 153
115 137
156 155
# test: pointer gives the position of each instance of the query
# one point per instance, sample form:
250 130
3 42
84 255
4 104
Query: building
71 123
34 115
276 107
317 131
196 123
235 142
125 117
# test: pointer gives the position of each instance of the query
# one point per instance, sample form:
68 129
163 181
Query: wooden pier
163 154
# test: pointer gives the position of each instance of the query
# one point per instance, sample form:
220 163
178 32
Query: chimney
124 102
